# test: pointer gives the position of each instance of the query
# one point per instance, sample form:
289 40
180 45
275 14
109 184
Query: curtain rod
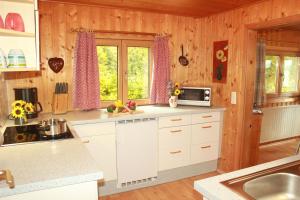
280 41
76 30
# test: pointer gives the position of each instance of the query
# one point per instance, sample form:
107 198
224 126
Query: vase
173 101
20 121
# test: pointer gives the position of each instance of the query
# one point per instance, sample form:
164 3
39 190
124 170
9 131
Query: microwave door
192 95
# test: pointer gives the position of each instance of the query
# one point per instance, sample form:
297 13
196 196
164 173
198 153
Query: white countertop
96 116
212 189
47 165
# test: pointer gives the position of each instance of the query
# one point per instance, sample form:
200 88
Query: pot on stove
53 127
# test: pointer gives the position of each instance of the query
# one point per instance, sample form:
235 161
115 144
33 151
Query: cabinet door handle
175 120
207 116
176 131
206 126
86 141
175 152
206 147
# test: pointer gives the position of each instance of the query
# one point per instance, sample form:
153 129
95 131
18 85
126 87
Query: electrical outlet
233 97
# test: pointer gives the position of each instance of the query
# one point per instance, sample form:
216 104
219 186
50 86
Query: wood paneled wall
197 35
3 101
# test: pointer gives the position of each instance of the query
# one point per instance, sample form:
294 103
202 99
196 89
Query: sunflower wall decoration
20 109
220 61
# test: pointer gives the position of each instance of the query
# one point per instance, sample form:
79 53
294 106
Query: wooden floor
183 189
278 150
178 190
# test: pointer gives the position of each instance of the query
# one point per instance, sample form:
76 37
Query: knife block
60 103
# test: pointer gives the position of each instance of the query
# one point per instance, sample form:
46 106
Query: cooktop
30 133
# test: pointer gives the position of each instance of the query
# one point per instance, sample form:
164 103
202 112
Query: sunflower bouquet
174 89
20 109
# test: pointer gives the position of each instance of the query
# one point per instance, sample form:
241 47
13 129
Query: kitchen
197 34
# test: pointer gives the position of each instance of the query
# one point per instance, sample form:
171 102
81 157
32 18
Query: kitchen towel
161 71
86 93
14 21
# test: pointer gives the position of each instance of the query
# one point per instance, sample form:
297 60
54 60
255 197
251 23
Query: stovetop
30 133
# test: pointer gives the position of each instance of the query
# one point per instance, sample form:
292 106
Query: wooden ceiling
195 8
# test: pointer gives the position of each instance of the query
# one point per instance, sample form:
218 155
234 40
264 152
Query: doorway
262 141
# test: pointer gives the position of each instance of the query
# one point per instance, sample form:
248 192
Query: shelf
18 69
20 1
7 32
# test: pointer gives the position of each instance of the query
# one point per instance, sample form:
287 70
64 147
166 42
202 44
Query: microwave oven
195 96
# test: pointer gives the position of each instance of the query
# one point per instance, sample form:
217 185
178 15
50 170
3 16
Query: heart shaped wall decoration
56 64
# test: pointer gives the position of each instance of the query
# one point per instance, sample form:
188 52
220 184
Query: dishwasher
137 151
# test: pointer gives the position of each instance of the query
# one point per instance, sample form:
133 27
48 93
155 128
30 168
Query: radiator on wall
280 123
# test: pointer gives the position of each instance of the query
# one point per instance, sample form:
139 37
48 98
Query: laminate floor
177 190
183 189
277 150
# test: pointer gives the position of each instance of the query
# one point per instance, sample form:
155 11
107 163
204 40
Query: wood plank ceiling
194 8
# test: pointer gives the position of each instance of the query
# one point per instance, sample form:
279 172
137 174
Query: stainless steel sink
278 183
274 186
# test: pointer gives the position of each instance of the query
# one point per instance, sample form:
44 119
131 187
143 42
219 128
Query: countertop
101 115
96 116
47 165
212 189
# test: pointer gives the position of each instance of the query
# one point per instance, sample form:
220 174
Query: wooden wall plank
197 35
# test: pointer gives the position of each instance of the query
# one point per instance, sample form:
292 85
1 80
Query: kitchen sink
277 183
274 186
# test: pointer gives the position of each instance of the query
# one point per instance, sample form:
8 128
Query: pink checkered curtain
259 96
161 70
86 93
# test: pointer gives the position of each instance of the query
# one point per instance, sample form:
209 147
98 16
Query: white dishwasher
137 151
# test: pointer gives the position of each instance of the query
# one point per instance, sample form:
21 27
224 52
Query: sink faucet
6 175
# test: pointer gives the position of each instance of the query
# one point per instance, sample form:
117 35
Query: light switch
233 97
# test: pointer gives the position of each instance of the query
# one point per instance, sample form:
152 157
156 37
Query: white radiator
280 123
137 154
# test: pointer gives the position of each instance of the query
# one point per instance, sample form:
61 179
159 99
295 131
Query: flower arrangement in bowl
174 91
19 111
119 107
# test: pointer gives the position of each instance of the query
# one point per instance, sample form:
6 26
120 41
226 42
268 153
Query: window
282 75
125 70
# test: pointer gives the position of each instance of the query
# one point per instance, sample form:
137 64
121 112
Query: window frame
279 76
122 71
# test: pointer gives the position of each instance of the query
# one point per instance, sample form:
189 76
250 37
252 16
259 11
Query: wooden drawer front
205 132
170 158
204 152
205 117
175 136
86 130
177 120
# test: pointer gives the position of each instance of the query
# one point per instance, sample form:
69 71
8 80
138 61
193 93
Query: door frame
250 140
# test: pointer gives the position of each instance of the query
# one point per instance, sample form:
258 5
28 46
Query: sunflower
18 103
177 92
29 108
220 54
18 112
177 85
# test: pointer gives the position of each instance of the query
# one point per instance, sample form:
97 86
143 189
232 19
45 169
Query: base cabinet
86 191
103 150
188 139
100 140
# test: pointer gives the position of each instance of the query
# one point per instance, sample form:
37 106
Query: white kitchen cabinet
86 191
188 139
27 41
174 147
100 140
